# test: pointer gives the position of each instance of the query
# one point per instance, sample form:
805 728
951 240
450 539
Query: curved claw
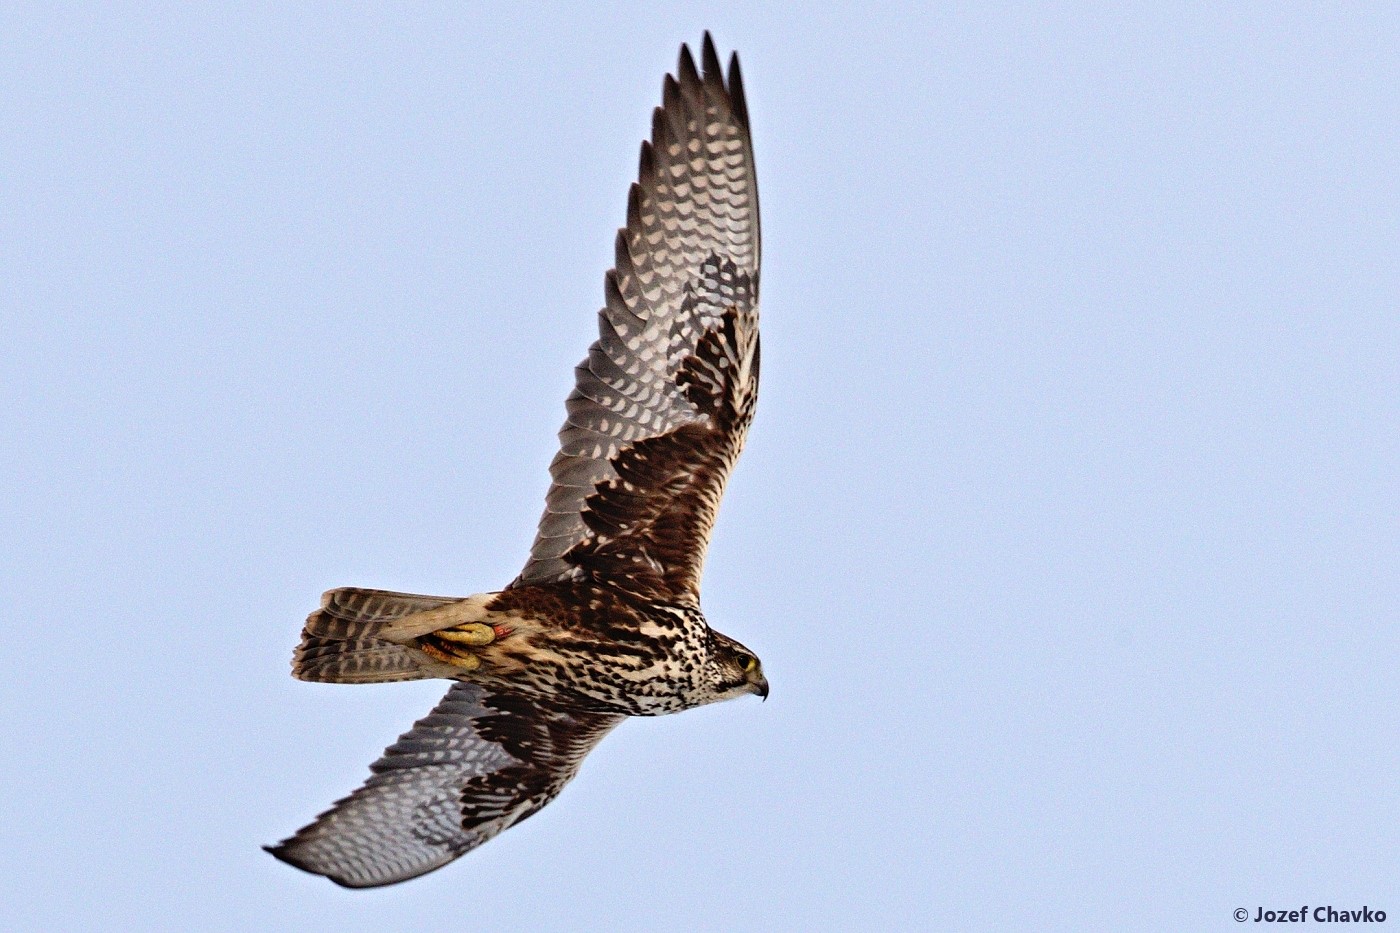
447 654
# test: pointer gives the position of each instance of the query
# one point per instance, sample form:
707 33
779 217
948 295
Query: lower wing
479 763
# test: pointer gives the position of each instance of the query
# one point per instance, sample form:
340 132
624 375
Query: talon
474 634
447 655
466 661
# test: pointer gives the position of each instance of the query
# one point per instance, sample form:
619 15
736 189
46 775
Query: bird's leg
453 645
472 634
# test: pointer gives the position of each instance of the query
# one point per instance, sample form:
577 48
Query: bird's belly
645 678
619 684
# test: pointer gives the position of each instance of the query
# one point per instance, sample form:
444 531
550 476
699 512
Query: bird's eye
748 662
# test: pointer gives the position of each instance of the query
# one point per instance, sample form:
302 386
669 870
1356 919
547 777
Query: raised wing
476 765
663 401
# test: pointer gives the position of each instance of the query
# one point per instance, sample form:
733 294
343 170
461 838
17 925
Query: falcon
604 620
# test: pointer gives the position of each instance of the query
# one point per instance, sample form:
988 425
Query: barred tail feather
353 661
363 636
352 638
351 612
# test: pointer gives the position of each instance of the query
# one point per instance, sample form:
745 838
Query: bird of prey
604 620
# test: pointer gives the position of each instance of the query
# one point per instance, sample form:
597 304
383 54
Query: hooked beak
759 686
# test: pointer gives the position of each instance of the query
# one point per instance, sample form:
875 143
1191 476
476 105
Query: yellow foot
448 653
453 645
473 634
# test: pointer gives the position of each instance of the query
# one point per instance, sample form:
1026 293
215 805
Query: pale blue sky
1067 531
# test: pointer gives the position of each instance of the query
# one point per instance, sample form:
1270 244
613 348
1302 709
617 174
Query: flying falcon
604 621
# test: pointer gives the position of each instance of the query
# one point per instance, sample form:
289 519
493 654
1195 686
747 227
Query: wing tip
737 103
285 852
709 58
659 127
686 71
282 853
711 73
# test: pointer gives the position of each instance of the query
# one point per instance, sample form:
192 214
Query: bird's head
737 670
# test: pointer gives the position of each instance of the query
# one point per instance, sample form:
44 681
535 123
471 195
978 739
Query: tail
351 638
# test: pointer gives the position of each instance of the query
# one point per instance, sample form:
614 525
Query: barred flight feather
680 318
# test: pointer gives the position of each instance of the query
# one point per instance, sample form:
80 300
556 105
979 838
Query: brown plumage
604 620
